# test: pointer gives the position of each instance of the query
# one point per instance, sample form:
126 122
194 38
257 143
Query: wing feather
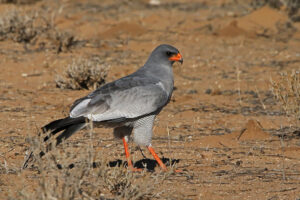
129 97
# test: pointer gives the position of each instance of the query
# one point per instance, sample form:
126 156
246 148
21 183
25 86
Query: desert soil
223 126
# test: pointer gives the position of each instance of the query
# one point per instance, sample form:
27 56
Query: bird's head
165 54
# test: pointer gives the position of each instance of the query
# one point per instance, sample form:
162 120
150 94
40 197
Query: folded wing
129 97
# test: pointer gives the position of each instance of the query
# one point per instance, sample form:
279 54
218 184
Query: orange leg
127 154
158 160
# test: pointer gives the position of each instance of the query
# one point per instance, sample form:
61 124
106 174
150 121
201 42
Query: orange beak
177 57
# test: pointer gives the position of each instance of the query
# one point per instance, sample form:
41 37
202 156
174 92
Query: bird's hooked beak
177 57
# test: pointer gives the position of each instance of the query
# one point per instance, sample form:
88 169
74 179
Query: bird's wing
129 97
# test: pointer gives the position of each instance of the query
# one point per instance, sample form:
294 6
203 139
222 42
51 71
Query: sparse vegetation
21 28
83 74
287 91
34 30
19 1
65 174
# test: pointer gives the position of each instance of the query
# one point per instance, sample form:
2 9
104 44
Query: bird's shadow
145 163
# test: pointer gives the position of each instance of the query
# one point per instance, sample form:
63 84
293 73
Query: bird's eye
169 53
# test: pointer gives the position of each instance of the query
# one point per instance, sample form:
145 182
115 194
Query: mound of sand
233 30
253 131
262 22
262 19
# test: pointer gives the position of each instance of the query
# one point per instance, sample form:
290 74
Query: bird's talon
178 171
133 169
171 170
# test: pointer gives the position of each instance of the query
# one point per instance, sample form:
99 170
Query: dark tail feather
69 125
61 124
63 136
68 132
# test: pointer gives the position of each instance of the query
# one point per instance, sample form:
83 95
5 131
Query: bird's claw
133 169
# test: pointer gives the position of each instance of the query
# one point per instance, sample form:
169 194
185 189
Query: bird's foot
133 169
177 171
171 170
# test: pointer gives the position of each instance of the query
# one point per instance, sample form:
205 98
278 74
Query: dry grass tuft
83 74
66 174
128 185
287 91
21 28
34 30
19 1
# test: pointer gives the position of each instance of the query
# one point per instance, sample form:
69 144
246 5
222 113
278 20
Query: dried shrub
127 185
83 74
34 30
63 40
21 28
287 91
272 3
68 174
19 1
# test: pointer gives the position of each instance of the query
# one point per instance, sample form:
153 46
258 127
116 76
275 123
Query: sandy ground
223 122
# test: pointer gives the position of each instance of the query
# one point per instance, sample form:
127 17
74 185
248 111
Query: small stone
208 91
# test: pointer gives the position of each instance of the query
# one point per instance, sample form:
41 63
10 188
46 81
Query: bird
129 105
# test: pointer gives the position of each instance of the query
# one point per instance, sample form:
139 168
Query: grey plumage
132 99
129 104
